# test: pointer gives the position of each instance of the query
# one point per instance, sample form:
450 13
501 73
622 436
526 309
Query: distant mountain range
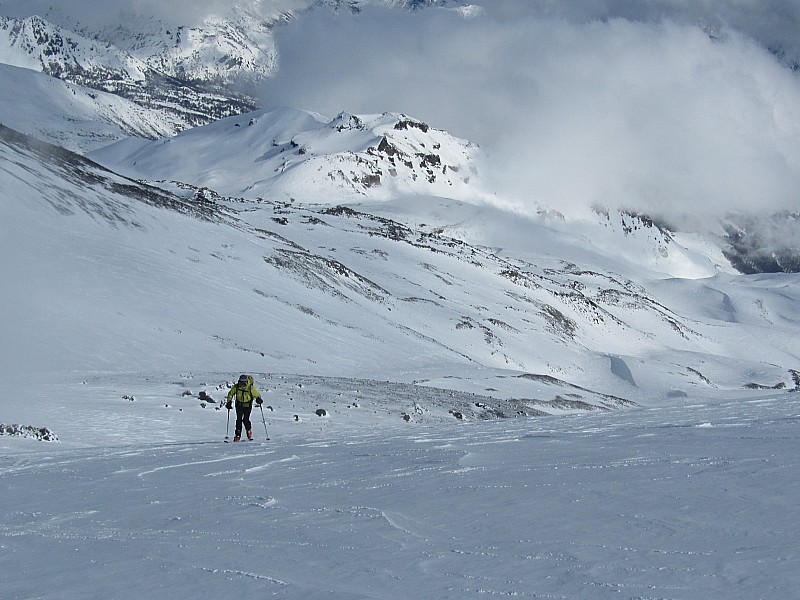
84 88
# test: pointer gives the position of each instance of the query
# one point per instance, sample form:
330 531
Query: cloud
572 110
773 24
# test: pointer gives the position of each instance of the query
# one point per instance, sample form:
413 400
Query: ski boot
249 434
236 438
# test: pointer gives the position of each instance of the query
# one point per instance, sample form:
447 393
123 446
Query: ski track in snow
692 501
189 464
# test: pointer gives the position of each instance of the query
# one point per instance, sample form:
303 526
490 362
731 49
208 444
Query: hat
242 378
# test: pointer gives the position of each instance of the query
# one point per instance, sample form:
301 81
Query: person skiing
245 393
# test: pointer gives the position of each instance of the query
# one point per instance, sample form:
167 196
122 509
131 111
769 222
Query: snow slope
689 500
71 116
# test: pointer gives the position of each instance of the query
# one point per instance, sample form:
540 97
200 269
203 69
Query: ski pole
228 427
263 420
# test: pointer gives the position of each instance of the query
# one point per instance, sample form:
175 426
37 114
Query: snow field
691 500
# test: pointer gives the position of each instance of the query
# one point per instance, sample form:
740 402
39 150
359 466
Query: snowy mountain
35 44
38 45
294 155
467 289
72 116
139 50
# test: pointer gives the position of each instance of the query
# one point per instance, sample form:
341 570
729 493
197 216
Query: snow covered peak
287 153
236 51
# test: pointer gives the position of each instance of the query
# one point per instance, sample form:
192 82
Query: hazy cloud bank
572 110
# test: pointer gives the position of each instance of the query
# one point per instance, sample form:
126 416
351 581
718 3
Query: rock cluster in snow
29 431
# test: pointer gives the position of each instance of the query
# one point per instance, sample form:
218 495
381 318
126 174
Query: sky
576 105
94 13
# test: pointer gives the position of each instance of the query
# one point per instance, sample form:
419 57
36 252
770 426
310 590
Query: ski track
187 464
271 463
234 574
654 503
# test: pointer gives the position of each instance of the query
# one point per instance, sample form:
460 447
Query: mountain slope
141 279
71 116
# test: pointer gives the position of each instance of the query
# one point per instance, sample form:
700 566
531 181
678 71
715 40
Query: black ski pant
243 416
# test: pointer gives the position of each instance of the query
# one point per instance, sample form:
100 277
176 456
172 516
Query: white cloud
653 115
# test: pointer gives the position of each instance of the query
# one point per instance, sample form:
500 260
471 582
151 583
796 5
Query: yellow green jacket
244 396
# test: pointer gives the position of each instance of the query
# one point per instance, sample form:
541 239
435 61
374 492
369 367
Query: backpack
245 396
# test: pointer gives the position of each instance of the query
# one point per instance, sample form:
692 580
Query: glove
259 401
228 405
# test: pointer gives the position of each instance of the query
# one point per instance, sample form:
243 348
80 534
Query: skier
245 394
